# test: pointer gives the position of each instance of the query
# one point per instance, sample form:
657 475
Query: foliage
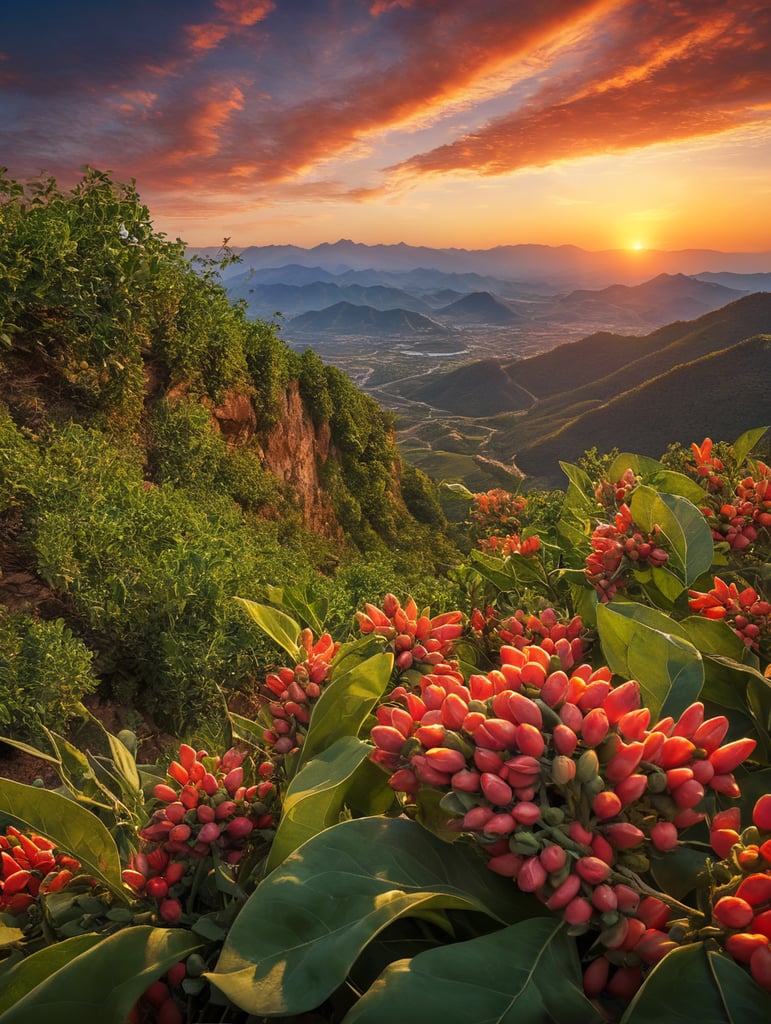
558 805
45 672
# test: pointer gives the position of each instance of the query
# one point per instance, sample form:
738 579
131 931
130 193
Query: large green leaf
297 936
528 972
73 828
277 624
28 973
643 644
690 984
103 981
657 476
744 444
344 704
687 537
315 796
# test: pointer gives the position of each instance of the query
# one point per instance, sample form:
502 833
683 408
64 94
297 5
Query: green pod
594 785
455 741
657 782
588 766
452 805
549 715
553 815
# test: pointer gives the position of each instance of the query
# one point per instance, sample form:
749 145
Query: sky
449 123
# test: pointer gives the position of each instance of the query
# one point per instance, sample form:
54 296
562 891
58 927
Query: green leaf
528 972
9 935
656 476
73 828
309 610
297 936
24 976
744 444
277 624
315 796
247 730
691 984
345 703
580 480
683 527
104 980
643 644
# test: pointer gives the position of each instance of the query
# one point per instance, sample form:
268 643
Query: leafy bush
45 671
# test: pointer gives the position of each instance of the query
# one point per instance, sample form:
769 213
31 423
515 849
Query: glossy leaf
656 476
103 981
298 935
73 828
687 536
527 972
277 624
316 795
692 984
344 704
636 645
29 972
744 444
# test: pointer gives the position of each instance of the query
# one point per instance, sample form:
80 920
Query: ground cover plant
548 801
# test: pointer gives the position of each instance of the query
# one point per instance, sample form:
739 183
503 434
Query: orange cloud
245 12
699 75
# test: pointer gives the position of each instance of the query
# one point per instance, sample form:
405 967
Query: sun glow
637 246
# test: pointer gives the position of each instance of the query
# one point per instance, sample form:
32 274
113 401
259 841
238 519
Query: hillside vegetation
161 454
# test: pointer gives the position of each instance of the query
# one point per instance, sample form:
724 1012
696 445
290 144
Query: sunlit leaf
680 989
528 972
102 981
74 829
744 444
297 936
277 624
315 797
637 645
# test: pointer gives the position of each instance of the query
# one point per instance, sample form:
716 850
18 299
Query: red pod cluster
204 806
415 637
617 549
747 615
30 865
562 638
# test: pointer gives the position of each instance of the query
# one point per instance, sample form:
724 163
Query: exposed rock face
236 418
293 450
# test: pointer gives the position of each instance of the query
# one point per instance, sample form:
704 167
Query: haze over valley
484 355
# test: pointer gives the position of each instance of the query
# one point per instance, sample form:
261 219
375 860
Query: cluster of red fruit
564 785
205 808
31 866
737 514
741 899
618 547
611 495
511 544
743 610
413 636
292 692
561 639
495 510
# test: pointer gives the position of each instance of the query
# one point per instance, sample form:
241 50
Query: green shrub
185 448
45 672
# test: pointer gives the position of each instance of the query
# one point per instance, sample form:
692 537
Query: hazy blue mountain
742 282
480 308
347 318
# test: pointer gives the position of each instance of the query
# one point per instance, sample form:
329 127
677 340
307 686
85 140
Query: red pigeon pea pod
480 687
703 771
760 966
209 832
189 796
533 674
524 710
134 879
16 882
689 721
506 864
555 688
553 858
595 977
654 945
564 893
404 781
497 791
761 813
530 740
454 711
606 804
176 772
675 752
725 784
604 898
725 759
628 900
732 912
386 737
578 911
762 923
180 833
653 912
624 835
500 825
664 836
722 840
165 793
512 656
525 812
564 739
711 733
634 724
755 889
239 828
476 819
497 734
592 869
622 699
631 788
196 773
571 716
466 781
594 695
444 759
430 736
624 982
579 834
170 911
624 762
175 812
689 794
601 848
532 875
687 817
157 888
174 871
595 727
487 760
428 775
742 945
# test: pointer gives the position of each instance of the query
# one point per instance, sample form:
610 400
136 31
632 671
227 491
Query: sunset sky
462 123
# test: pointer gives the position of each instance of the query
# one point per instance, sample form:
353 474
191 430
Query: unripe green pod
558 877
665 805
588 766
751 836
454 741
129 740
636 862
594 785
657 782
678 931
478 705
410 747
614 934
549 715
609 918
195 965
553 815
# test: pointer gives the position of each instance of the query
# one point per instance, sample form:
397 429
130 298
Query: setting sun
637 246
